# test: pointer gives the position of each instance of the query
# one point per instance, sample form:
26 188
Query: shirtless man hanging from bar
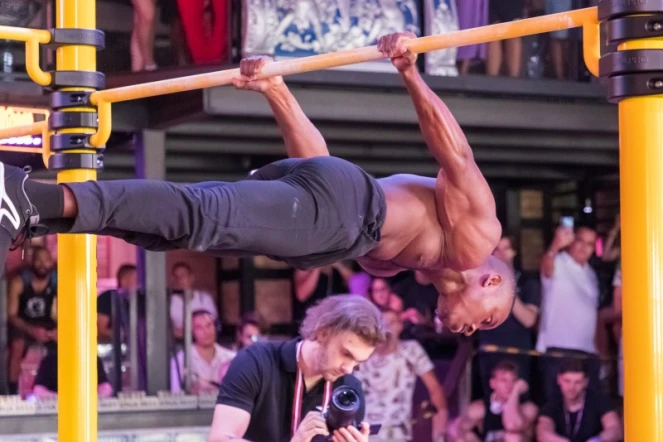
310 210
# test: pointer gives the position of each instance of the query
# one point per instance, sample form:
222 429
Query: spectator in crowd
170 16
419 299
569 303
207 357
313 285
248 331
609 320
560 39
382 296
611 248
388 378
142 36
508 51
46 382
617 307
182 280
503 415
516 331
471 14
360 282
581 414
31 309
127 286
205 24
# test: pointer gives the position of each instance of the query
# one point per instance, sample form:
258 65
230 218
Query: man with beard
270 387
31 310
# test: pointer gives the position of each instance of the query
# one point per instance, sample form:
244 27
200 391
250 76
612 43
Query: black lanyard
567 419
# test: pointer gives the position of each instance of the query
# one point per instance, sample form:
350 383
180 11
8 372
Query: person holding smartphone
569 301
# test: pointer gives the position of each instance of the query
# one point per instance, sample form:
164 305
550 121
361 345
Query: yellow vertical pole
641 173
77 278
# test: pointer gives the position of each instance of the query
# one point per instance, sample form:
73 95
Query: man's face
572 384
502 383
249 335
340 354
393 322
482 301
380 292
42 262
129 281
182 279
204 332
505 251
583 247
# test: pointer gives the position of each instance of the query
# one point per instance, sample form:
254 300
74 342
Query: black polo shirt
261 381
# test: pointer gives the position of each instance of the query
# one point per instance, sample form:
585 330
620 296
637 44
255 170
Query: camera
342 412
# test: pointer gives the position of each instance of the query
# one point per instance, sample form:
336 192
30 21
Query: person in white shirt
183 279
207 357
569 305
388 379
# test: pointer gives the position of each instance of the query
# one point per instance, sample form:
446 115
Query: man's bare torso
412 235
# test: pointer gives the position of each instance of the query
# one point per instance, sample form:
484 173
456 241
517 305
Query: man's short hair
570 365
36 250
249 318
201 312
182 265
345 313
507 366
124 270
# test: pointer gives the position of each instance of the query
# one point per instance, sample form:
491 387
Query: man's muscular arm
466 206
302 138
228 424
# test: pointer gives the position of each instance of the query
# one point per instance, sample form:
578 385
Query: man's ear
322 336
493 280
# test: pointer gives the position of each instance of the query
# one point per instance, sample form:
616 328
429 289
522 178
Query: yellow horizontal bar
520 28
22 131
484 34
24 34
20 149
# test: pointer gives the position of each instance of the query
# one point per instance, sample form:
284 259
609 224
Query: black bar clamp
72 141
69 99
634 72
78 37
65 161
66 79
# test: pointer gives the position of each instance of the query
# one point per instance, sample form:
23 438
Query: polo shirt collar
289 355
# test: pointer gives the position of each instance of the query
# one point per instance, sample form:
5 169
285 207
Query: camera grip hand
352 434
312 425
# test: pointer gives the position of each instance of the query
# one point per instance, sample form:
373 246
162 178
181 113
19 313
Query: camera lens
347 398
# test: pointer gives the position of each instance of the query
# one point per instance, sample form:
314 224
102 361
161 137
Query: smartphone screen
567 221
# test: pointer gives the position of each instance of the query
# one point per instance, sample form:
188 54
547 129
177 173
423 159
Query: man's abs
412 236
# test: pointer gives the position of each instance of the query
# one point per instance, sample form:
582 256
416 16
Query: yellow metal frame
641 161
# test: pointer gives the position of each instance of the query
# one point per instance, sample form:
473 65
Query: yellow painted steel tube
22 131
587 17
24 34
32 38
77 317
641 180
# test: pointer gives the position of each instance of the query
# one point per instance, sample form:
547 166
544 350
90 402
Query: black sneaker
17 214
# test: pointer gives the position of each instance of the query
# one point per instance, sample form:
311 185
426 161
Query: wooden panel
274 300
230 302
